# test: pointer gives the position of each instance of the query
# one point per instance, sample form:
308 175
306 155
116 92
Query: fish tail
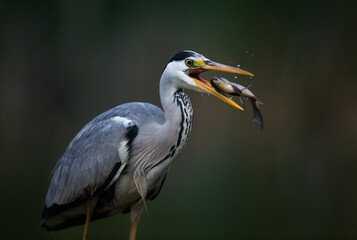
257 115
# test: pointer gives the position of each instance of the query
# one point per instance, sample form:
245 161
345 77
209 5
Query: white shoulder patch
123 151
126 122
123 145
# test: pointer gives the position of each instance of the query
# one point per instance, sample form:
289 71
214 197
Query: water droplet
235 77
230 98
246 51
238 66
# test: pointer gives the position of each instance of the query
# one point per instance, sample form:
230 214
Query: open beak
206 86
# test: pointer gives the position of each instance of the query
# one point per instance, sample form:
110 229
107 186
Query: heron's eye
189 62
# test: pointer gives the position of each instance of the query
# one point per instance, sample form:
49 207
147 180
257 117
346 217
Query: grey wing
91 161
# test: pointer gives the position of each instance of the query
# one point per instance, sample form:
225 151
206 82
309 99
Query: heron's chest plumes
185 127
165 142
176 133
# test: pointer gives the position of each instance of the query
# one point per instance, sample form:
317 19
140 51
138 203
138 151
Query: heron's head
184 70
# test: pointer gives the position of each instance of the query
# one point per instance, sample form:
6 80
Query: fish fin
237 92
248 86
241 99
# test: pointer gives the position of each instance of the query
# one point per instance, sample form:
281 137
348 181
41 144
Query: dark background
64 62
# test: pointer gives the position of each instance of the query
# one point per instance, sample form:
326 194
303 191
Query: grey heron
121 158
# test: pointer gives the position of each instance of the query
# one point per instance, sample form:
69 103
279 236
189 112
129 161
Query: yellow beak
207 87
209 65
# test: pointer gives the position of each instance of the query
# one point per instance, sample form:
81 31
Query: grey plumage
96 144
91 157
93 153
121 158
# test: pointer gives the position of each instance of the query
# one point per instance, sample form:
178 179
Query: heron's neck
168 101
178 111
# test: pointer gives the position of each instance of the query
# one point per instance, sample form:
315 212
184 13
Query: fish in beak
226 87
204 85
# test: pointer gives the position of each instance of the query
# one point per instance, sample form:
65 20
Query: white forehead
176 65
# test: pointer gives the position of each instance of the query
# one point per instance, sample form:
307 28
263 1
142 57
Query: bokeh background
64 62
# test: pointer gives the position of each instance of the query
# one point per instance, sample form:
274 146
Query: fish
226 87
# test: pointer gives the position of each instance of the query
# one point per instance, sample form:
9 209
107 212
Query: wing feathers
91 163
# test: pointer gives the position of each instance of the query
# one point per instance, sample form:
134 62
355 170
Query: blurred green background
64 62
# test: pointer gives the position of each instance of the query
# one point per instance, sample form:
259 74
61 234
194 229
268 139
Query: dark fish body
226 87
